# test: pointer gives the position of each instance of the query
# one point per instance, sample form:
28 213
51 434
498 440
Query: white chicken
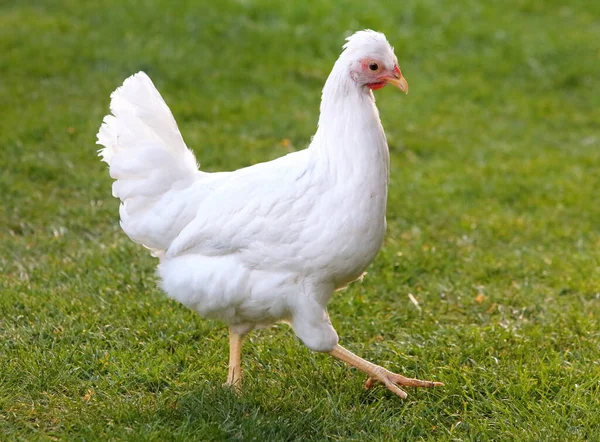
273 241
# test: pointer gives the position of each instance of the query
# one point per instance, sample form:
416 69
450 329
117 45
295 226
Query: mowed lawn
493 223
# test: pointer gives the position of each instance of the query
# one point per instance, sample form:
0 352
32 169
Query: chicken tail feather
148 160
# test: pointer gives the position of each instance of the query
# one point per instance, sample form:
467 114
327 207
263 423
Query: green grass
494 192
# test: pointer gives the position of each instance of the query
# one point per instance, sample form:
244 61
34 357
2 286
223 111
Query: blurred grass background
493 222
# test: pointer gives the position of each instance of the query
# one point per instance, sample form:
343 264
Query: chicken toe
379 374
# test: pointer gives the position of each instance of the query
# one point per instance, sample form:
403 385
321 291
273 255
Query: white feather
264 243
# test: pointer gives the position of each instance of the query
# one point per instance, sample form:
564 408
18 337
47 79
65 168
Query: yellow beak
399 82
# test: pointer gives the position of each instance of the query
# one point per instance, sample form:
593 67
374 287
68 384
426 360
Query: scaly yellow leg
377 373
234 378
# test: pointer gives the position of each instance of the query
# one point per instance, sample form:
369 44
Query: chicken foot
380 374
234 377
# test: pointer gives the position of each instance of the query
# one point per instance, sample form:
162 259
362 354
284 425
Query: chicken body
268 242
273 241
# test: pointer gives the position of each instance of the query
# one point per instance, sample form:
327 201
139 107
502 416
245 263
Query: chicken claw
380 374
392 380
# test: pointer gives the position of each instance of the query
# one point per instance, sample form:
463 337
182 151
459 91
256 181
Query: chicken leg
234 377
380 374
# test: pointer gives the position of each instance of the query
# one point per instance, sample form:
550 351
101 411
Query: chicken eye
373 66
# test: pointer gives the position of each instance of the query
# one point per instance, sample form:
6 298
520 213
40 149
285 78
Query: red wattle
375 86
